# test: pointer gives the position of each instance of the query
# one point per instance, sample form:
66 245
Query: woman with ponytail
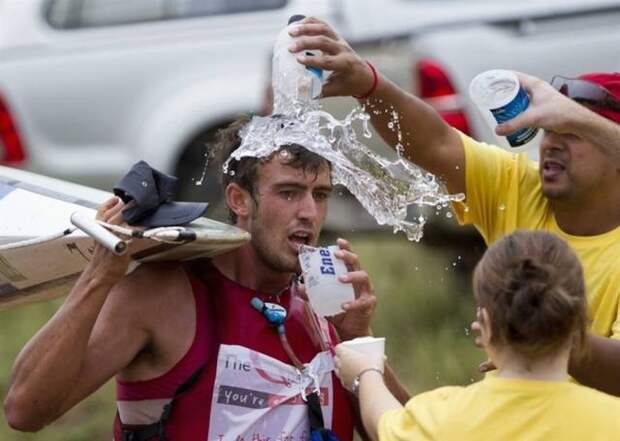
531 301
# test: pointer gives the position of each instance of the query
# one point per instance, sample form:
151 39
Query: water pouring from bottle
384 188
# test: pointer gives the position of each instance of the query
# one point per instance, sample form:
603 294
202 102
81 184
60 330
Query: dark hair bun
530 286
531 283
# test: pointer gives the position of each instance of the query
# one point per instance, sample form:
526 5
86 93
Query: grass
91 420
424 311
425 307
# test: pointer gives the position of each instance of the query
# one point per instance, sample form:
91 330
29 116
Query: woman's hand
350 363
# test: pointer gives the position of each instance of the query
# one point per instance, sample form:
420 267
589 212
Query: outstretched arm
374 397
79 348
550 110
426 139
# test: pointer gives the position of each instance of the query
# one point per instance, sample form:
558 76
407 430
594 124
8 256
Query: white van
88 87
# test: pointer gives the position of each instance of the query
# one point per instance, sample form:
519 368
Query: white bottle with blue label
294 84
500 97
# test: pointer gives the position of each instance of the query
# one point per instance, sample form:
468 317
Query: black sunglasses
586 92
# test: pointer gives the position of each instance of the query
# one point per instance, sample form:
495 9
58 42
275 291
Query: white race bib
259 398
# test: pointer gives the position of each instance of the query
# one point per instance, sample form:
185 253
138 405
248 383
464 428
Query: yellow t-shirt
503 194
507 410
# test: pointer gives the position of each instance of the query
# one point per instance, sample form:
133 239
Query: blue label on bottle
502 114
316 71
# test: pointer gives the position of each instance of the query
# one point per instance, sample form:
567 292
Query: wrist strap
371 369
356 381
375 82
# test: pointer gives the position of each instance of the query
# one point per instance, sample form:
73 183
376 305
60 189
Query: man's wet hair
244 172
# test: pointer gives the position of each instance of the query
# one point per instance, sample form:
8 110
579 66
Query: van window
192 8
70 14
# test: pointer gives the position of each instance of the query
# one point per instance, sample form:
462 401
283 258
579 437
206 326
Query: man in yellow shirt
504 193
575 192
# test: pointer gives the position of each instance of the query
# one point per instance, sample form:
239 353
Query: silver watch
356 381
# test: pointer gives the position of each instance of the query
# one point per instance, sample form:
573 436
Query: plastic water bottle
292 82
500 97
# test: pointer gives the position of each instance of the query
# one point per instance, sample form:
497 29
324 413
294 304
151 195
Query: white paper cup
374 346
321 270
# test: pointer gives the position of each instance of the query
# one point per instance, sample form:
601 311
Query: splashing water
384 188
208 156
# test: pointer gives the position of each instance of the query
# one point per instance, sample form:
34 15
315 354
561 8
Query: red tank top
225 321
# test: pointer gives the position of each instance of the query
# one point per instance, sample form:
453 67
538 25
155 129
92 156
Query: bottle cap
296 17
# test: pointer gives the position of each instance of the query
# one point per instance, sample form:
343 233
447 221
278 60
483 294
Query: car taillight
11 147
436 89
